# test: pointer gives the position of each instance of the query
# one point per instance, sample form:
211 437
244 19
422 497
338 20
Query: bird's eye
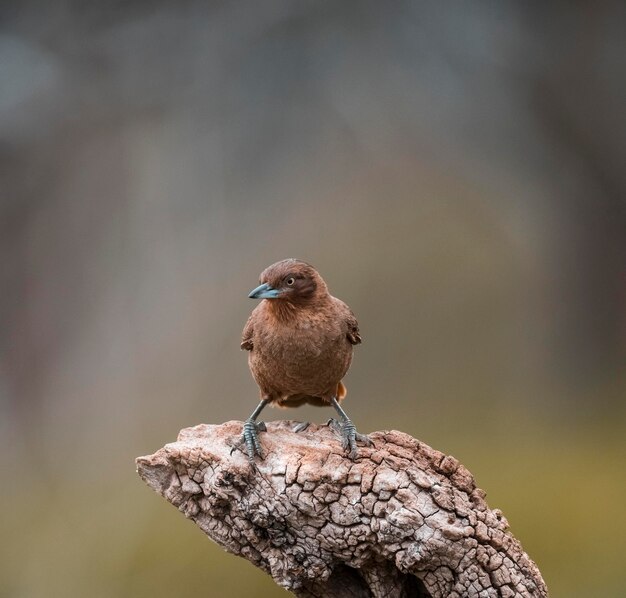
290 281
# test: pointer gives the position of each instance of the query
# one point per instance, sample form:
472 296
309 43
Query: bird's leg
251 428
301 427
347 431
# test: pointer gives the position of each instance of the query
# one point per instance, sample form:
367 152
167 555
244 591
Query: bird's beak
264 291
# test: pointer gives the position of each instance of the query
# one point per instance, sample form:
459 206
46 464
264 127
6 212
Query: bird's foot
349 436
301 427
250 438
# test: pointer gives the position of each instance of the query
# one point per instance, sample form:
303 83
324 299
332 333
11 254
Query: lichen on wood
402 520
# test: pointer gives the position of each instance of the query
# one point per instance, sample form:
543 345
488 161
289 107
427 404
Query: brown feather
300 344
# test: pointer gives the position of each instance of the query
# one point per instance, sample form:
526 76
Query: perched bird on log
300 341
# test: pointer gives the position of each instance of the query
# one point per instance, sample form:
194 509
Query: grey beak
264 291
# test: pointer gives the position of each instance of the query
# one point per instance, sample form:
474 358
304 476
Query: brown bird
300 341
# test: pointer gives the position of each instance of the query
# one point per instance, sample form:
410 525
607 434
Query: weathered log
402 520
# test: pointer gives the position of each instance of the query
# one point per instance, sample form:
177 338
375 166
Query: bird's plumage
300 341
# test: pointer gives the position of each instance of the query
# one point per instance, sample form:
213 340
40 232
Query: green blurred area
453 171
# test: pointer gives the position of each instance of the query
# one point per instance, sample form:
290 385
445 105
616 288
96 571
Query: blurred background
454 170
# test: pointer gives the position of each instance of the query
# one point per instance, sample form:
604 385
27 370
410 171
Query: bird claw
349 436
250 438
301 427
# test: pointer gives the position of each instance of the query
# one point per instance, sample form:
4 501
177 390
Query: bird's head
290 280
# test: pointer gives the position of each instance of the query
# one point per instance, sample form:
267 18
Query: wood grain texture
402 520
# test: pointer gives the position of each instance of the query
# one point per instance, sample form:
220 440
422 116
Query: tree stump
403 520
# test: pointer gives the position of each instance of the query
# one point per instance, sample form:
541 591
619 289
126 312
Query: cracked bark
403 520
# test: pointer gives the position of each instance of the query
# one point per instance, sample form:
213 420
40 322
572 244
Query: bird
300 341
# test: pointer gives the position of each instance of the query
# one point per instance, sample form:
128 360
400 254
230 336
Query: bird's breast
307 356
303 340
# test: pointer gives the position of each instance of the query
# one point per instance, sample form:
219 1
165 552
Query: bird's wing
354 336
352 326
246 335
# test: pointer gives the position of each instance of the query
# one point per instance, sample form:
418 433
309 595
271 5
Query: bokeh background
454 170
